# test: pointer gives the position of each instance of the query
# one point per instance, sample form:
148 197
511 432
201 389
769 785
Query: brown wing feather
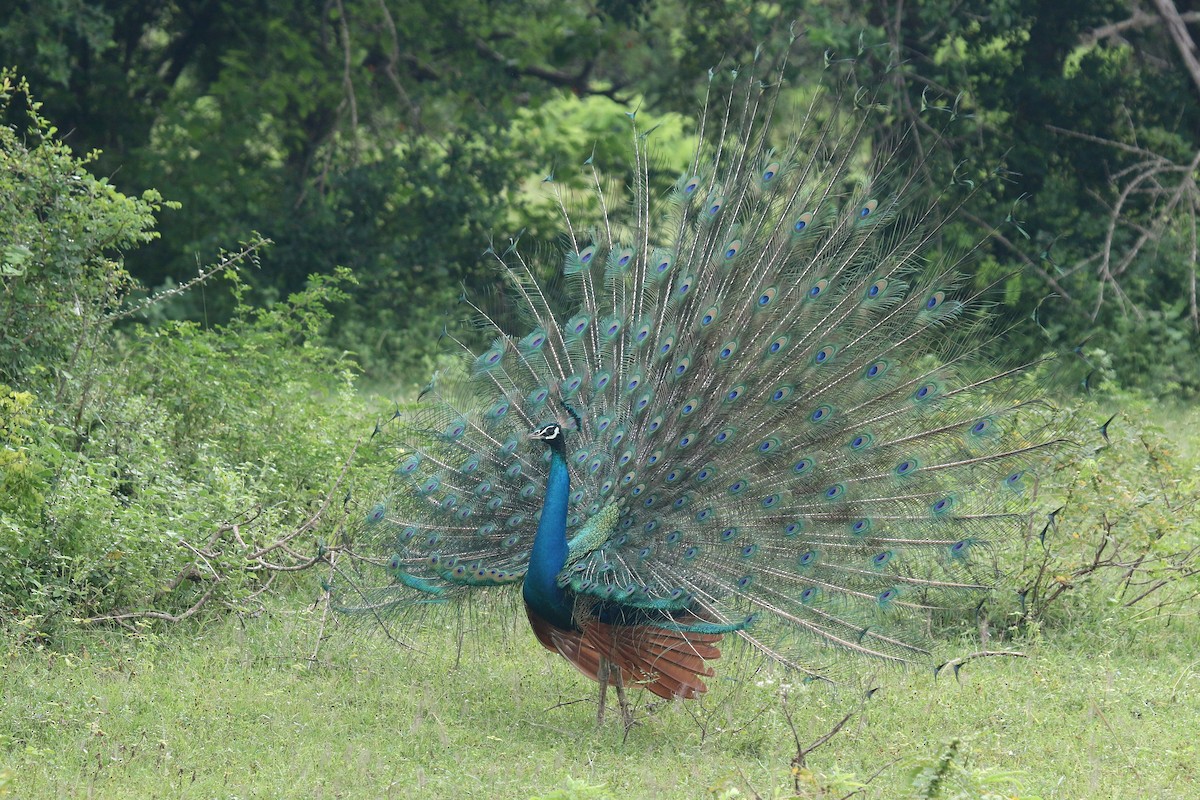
665 662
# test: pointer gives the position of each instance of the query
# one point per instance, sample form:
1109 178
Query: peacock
751 406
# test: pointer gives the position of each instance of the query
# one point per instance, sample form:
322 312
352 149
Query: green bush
145 468
185 429
1118 528
61 243
950 775
21 484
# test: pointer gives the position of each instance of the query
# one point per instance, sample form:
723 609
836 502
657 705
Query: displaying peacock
751 406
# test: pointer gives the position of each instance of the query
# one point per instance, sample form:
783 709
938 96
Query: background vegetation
226 229
397 138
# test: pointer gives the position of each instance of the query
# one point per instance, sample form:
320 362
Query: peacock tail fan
782 421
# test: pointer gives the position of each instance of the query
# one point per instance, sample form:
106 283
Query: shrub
61 243
143 469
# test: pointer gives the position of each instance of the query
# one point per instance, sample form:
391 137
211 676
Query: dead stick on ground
957 663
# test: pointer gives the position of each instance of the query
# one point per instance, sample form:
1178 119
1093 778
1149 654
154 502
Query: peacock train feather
764 414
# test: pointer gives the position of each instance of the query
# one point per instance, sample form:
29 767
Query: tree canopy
399 138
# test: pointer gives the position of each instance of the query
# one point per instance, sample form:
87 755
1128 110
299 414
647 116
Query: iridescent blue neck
549 555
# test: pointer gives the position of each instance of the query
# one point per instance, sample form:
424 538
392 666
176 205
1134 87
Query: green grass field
1105 705
236 709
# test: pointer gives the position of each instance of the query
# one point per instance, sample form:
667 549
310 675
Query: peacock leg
602 676
626 713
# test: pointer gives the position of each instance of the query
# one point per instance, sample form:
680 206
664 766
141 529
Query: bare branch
1146 179
350 100
580 83
1140 19
1180 36
121 617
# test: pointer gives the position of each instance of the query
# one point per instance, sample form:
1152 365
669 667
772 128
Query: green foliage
143 469
1116 539
1094 139
251 388
1125 540
21 482
394 138
61 243
1155 351
413 224
184 432
371 135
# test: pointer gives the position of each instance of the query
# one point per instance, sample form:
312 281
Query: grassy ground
1105 707
236 710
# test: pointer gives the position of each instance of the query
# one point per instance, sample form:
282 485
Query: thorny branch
1144 567
799 761
226 262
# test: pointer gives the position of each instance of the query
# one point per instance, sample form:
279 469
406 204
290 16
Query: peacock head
552 434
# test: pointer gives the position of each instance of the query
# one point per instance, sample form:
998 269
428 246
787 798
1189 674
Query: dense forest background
397 139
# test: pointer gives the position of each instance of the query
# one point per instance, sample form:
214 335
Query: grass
235 709
1105 706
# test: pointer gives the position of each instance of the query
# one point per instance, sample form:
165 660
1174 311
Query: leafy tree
373 135
394 137
1091 115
